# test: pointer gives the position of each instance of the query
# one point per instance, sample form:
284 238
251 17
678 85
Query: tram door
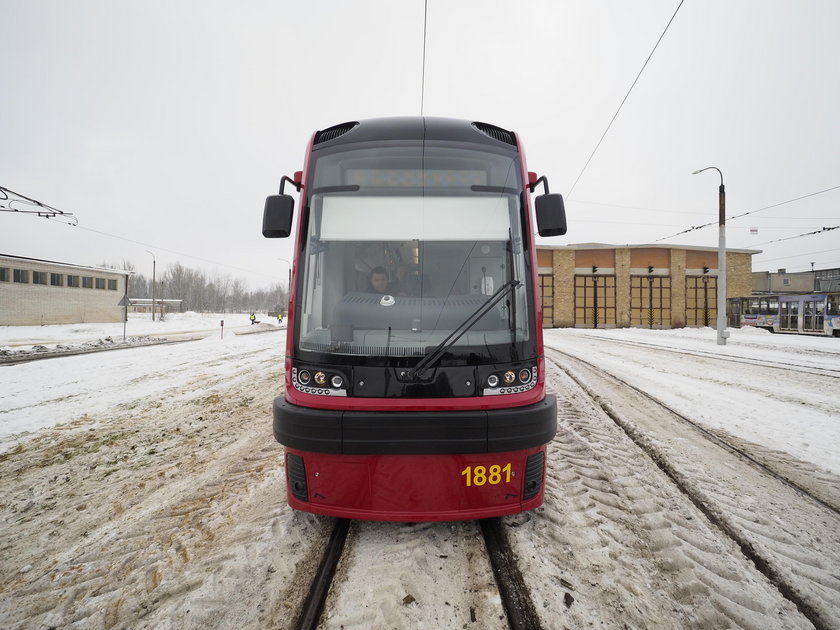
789 316
813 315
701 301
734 310
595 301
650 301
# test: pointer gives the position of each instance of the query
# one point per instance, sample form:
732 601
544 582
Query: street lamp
153 283
722 333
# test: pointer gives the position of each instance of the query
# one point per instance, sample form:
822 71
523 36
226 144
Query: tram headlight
304 377
320 378
514 380
336 381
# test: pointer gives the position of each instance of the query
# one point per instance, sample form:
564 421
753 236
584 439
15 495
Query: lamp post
154 262
722 333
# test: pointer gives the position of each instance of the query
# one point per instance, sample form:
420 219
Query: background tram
415 378
805 313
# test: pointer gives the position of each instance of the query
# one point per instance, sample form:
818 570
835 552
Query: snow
44 393
778 409
40 394
142 488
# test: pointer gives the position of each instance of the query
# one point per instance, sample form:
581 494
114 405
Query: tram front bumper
414 432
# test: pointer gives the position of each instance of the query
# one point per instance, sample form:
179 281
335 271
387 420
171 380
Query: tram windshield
404 245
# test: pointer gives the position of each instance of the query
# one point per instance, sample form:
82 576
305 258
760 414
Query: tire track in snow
636 552
162 516
789 537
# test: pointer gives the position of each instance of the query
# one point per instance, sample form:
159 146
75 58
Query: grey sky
168 123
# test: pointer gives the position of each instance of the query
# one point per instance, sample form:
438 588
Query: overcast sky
163 125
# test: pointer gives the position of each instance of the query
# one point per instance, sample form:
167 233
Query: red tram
415 378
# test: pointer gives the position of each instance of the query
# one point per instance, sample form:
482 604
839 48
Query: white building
38 292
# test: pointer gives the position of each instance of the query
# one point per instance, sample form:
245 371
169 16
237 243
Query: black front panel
385 382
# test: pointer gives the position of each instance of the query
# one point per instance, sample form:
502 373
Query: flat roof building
38 292
595 285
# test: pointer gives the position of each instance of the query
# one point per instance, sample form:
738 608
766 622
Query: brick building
595 285
38 292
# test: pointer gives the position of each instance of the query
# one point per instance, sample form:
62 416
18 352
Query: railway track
823 494
749 500
513 592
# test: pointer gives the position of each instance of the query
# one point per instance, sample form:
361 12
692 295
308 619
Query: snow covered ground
44 393
783 411
143 488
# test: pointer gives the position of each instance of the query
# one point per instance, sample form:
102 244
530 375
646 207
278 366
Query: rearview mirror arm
291 181
544 181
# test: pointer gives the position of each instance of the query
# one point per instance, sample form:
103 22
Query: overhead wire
790 238
743 214
423 74
46 211
55 214
624 100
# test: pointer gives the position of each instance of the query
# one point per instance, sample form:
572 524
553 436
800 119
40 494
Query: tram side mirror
277 216
551 215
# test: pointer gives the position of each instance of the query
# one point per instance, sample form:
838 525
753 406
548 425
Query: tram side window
833 305
772 306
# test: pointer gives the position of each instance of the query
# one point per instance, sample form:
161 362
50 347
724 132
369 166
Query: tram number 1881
480 475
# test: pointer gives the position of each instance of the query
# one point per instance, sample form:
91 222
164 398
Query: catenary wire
624 100
743 214
423 74
56 215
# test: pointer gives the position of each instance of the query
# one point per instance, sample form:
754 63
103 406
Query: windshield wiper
494 189
323 190
433 356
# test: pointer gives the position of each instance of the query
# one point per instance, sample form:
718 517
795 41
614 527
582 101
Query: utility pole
722 333
154 262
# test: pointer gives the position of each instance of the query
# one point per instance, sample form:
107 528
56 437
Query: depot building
595 285
38 292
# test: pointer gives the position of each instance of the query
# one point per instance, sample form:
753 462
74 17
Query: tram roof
416 128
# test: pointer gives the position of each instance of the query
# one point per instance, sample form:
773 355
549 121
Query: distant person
279 318
253 319
378 280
